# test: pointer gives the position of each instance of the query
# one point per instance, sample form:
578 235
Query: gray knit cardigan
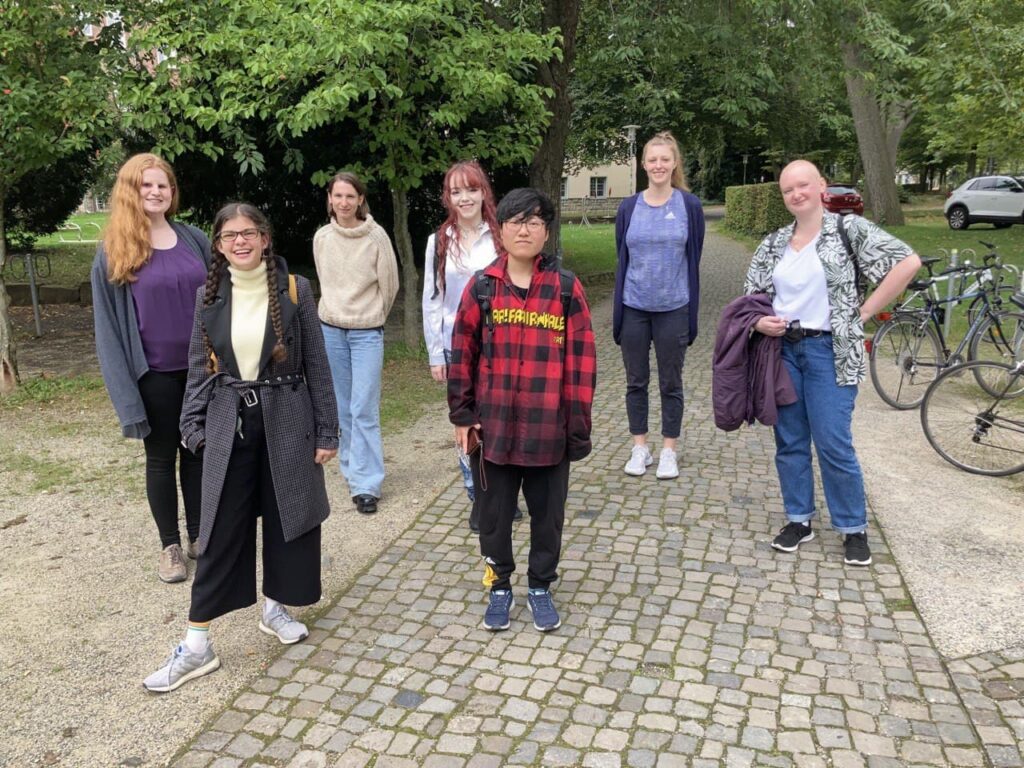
118 343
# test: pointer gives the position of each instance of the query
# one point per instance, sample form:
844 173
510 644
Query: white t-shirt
800 289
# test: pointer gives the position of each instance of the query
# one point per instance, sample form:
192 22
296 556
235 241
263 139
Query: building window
564 189
598 186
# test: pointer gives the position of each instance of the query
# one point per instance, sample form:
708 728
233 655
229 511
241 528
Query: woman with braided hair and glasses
259 406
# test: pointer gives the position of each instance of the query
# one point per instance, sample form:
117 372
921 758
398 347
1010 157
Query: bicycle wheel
971 428
905 358
999 339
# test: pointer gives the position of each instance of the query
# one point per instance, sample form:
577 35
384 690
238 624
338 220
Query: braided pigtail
217 264
280 354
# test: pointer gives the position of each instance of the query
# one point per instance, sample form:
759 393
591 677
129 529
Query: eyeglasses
230 237
533 224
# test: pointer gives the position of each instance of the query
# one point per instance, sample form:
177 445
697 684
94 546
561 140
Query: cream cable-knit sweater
358 274
249 305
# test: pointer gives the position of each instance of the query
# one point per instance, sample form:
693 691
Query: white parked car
998 200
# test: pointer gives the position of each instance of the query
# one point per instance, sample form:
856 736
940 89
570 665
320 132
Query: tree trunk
549 161
879 174
897 119
411 322
972 163
8 351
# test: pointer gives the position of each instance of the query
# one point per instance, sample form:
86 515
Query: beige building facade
599 181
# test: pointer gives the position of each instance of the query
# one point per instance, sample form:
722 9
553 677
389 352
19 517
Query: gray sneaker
282 626
190 548
171 567
182 667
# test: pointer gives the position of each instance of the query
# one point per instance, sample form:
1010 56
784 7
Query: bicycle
979 429
910 349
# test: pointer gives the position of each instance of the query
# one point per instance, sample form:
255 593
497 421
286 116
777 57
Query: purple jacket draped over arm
748 378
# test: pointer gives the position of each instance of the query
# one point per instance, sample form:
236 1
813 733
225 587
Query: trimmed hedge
755 209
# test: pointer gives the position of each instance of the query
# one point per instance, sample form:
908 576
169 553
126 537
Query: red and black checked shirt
529 381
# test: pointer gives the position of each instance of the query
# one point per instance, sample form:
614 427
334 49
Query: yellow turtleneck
249 304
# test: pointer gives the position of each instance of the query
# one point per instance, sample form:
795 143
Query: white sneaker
639 460
667 466
182 667
280 624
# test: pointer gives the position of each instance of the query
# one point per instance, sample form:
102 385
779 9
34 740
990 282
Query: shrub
755 209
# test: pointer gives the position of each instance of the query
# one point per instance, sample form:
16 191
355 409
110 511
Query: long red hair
126 239
467 173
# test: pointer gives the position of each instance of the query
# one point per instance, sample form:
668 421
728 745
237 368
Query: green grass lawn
90 224
930 234
63 258
589 250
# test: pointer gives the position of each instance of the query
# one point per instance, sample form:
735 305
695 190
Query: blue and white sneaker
545 616
501 604
184 665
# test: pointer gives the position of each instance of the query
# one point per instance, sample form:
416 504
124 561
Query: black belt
248 388
796 334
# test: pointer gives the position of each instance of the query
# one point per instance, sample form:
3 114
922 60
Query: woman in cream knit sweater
358 275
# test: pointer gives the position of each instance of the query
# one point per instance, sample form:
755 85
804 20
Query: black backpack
845 237
484 289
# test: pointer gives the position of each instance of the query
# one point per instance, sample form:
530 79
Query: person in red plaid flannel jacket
521 382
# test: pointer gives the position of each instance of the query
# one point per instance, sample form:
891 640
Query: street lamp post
632 157
745 158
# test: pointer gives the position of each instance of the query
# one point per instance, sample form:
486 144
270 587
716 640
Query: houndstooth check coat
299 416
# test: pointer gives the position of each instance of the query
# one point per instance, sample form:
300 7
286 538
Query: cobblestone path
686 640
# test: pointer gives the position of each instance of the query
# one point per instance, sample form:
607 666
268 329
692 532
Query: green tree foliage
420 84
724 77
55 67
43 200
973 95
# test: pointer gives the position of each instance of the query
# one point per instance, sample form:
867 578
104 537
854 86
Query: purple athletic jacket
748 378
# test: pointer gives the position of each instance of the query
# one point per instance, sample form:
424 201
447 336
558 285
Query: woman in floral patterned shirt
810 276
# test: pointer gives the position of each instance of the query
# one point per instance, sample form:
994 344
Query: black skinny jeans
670 332
162 394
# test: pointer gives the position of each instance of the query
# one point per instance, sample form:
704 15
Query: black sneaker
792 536
857 550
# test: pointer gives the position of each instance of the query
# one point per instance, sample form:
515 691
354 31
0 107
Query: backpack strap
567 280
848 246
437 259
484 288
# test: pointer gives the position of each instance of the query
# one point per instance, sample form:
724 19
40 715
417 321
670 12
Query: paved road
686 640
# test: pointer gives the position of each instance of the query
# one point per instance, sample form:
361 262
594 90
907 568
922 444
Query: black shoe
792 536
365 503
518 515
857 550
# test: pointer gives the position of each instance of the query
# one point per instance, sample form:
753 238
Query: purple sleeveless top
165 304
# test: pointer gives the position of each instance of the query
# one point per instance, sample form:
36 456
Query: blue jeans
823 413
467 474
357 360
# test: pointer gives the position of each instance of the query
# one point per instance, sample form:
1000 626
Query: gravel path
85 617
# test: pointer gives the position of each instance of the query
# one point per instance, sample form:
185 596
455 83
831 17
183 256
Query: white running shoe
280 624
182 667
667 465
639 460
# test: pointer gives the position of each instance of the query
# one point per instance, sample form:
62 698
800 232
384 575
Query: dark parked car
842 198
